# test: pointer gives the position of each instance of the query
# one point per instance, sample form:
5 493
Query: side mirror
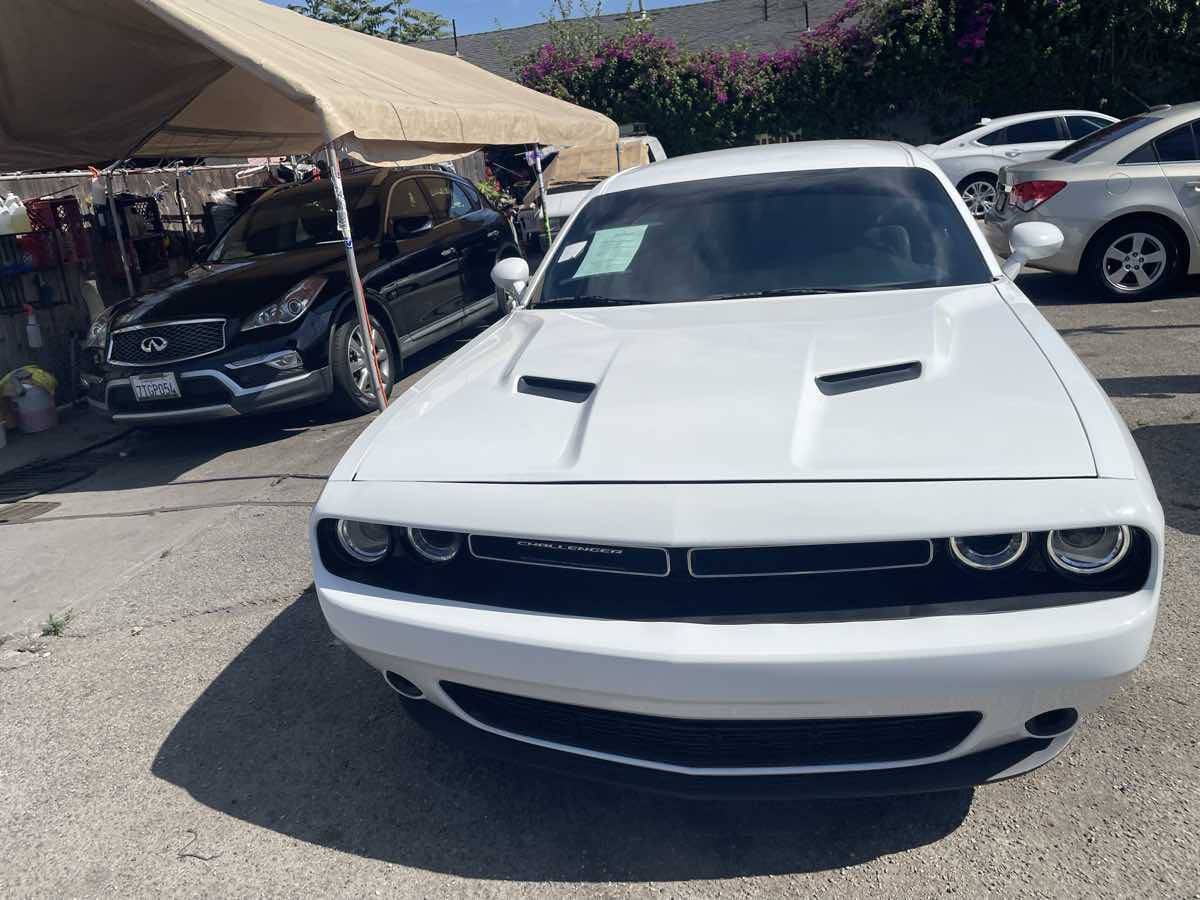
1031 241
510 276
410 226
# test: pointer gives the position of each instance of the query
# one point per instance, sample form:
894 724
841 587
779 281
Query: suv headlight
290 307
97 335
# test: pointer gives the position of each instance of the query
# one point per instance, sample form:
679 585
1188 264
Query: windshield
957 133
775 234
294 218
1085 147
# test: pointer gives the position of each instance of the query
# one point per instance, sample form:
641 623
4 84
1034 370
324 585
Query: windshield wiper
588 300
782 292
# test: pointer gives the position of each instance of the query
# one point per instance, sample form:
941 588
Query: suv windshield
776 234
1085 147
294 218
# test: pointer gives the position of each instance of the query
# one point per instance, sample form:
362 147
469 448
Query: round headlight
366 542
435 546
989 552
1088 551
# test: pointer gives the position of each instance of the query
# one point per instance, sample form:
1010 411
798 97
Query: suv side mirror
510 276
1031 241
410 226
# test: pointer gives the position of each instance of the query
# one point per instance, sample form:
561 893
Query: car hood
727 391
232 289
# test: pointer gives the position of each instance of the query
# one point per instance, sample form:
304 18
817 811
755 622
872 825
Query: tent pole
537 167
119 232
360 299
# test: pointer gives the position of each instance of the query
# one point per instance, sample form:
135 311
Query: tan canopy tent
90 80
87 80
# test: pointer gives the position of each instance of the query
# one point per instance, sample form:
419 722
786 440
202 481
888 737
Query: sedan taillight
1030 194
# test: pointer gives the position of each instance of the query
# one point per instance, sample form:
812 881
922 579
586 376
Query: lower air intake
718 743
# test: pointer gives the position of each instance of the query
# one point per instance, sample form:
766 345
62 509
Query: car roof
995 124
793 157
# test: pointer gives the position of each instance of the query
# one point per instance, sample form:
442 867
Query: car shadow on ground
1055 289
1172 454
299 736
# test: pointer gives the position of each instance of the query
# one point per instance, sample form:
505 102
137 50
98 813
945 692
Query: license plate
154 387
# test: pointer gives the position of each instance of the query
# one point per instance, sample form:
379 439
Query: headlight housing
1088 551
97 334
364 542
435 546
989 552
290 307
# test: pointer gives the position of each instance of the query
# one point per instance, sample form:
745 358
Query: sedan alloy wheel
1134 262
980 196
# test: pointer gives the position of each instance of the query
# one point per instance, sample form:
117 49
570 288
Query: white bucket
35 410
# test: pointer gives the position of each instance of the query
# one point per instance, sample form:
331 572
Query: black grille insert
166 343
572 555
719 743
735 562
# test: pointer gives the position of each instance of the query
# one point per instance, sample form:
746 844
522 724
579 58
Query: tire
1132 260
504 303
353 391
978 191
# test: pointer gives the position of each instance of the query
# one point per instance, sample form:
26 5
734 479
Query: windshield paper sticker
571 251
612 250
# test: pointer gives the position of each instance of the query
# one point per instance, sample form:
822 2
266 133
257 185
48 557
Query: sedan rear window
777 234
1085 147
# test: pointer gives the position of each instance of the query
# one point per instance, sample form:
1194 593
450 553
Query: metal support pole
537 167
360 299
119 232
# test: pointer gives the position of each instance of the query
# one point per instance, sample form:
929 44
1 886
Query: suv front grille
166 342
718 743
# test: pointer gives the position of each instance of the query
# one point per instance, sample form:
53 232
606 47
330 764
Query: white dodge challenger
772 477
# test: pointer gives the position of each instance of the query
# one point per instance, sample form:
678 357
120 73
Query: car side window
1177 146
1143 154
1081 126
993 138
1035 132
450 200
408 210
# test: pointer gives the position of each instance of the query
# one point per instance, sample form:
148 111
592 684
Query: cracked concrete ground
198 731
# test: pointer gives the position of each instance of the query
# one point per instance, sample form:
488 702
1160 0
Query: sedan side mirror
510 276
1031 241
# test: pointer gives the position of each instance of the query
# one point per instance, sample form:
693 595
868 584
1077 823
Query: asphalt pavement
196 729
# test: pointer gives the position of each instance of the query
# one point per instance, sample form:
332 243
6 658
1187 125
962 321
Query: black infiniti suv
266 321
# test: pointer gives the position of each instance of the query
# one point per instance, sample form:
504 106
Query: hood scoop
863 379
555 388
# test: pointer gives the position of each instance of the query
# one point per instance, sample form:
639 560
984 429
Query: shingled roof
755 25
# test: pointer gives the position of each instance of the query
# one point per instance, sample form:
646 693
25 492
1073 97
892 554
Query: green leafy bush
882 68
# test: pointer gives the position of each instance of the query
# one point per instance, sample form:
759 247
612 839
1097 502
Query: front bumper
208 394
1008 667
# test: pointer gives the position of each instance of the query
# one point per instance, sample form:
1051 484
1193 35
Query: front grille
571 555
168 342
719 743
939 588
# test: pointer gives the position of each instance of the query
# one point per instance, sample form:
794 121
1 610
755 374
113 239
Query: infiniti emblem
154 344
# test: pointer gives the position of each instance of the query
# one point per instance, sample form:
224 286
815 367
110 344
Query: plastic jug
35 410
18 215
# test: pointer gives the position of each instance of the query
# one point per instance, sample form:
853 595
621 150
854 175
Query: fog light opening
403 686
287 360
1052 723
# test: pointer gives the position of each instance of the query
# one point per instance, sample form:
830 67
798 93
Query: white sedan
973 159
772 478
